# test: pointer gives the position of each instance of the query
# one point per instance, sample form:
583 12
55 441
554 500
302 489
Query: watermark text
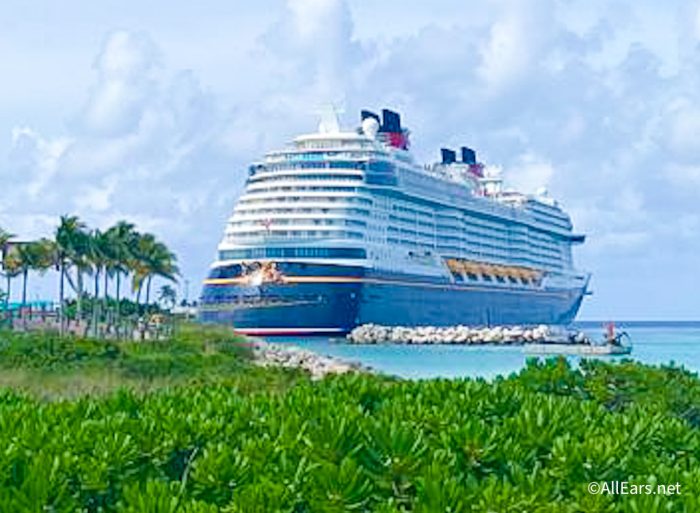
627 488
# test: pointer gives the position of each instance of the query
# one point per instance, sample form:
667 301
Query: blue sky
150 111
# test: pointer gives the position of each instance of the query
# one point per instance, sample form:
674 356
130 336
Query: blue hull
335 299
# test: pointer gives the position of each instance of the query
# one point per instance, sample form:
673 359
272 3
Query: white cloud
96 198
688 226
147 147
310 54
681 129
530 173
125 67
684 176
574 128
593 109
506 53
36 158
626 242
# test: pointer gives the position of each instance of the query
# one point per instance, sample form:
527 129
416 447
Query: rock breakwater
267 354
376 334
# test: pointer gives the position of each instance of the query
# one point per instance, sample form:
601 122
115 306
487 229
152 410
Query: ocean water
653 342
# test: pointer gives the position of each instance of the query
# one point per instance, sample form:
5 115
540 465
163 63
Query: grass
52 367
190 426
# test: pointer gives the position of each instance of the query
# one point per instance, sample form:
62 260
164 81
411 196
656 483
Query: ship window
500 279
254 253
472 276
512 280
229 271
380 166
487 277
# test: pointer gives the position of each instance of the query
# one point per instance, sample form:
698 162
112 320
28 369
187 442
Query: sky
151 112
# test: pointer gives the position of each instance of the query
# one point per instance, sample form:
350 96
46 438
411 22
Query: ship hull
330 300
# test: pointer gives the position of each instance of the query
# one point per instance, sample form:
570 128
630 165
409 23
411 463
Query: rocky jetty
268 354
376 334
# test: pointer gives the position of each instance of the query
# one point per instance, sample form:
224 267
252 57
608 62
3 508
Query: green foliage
78 253
49 350
127 308
619 387
527 443
192 352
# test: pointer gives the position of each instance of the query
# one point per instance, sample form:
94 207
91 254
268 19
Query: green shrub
527 443
47 349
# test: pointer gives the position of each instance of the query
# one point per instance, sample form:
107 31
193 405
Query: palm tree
121 238
81 261
5 238
26 262
162 264
109 254
33 256
97 256
167 296
9 264
151 258
138 263
71 239
11 268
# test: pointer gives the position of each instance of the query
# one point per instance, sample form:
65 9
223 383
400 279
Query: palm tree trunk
118 298
138 299
95 302
61 292
148 293
7 298
79 306
25 276
105 294
119 305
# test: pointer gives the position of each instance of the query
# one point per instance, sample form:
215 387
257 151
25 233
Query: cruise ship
343 228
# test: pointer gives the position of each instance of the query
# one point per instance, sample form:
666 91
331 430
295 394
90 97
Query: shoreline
291 356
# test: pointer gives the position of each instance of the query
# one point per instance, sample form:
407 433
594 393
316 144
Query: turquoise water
653 343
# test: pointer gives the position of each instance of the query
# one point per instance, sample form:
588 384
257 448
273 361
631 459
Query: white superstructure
334 191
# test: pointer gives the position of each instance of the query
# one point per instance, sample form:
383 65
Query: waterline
654 343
